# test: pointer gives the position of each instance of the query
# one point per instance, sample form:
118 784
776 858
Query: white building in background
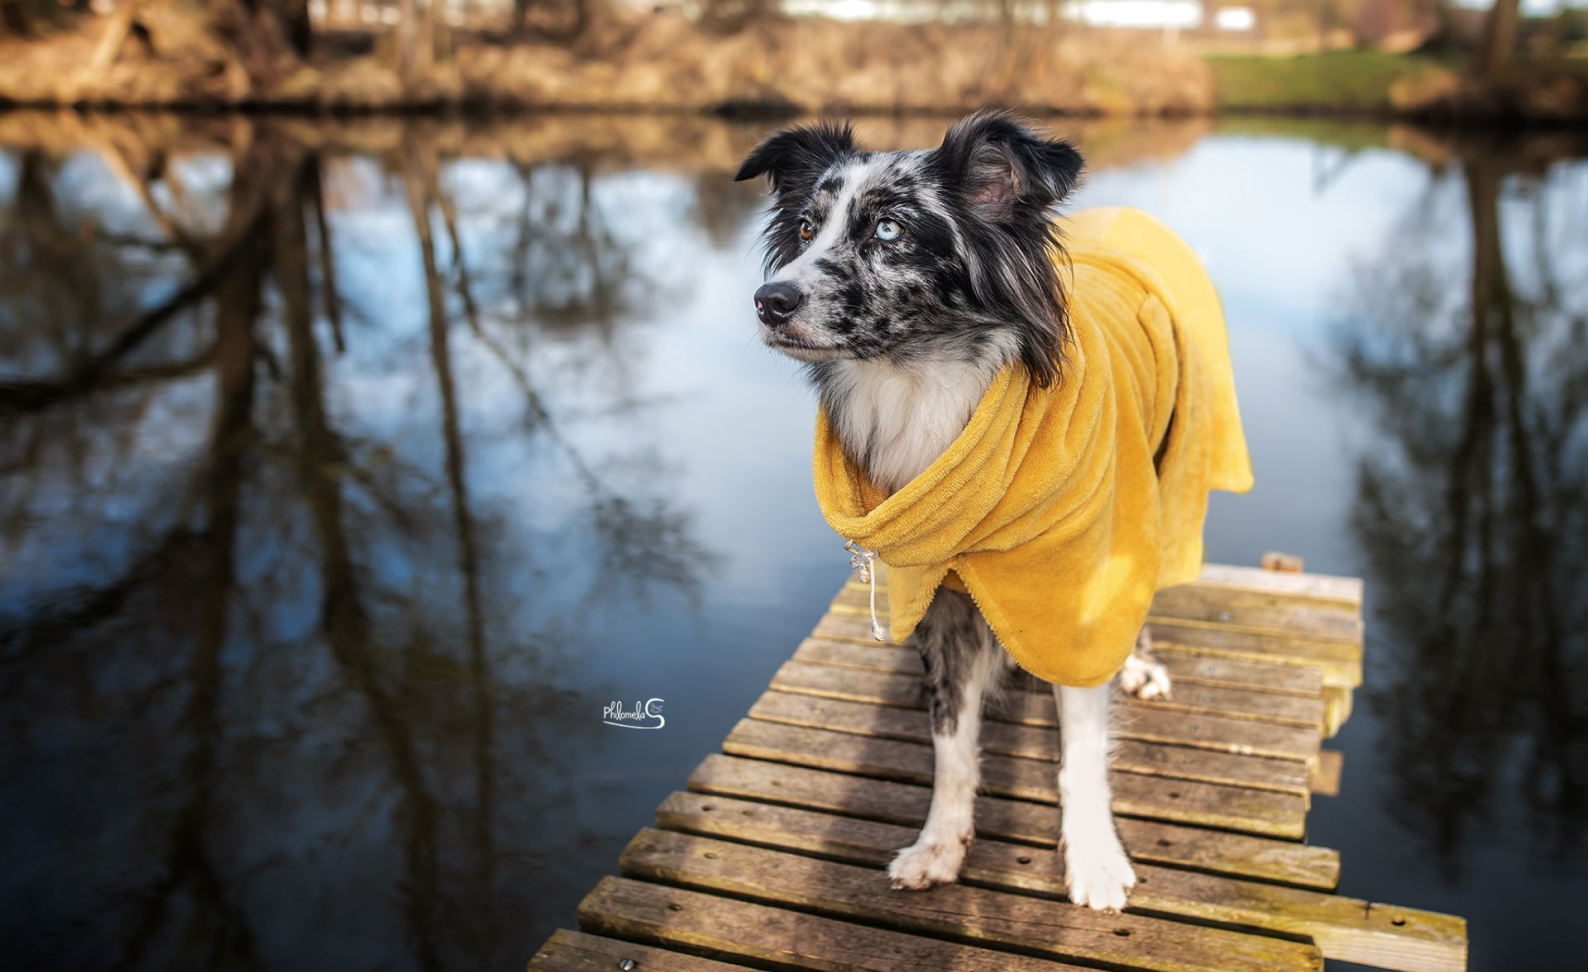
904 11
1152 14
1170 15
1236 20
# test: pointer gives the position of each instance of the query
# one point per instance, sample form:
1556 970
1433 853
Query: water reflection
266 638
1472 503
346 471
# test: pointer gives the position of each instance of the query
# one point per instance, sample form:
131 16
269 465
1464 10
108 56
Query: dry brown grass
659 62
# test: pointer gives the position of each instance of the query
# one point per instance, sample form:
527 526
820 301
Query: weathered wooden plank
1319 588
1138 721
1340 663
1258 613
1184 667
1234 702
1196 669
727 928
1179 801
1235 609
1345 929
1027 924
1036 742
1323 588
729 781
571 951
1337 700
1238 703
1326 775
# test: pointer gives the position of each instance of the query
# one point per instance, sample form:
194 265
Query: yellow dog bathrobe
1049 506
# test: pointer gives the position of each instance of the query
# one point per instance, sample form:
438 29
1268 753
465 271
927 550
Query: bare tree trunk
416 41
436 35
115 36
295 20
15 18
1498 43
265 40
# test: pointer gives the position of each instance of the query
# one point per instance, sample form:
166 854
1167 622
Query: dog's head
946 253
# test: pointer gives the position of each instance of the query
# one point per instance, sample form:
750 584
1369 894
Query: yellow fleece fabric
1048 507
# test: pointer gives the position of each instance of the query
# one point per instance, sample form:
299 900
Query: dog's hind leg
1097 873
1143 675
963 665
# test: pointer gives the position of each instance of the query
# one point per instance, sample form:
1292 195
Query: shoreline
486 109
692 142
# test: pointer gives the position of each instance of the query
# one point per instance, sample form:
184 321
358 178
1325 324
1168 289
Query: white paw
1098 874
926 863
1144 679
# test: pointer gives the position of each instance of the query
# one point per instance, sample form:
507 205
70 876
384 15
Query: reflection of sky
137 487
1278 249
134 490
1249 207
733 456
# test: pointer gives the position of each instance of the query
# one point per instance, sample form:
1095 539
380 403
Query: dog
905 281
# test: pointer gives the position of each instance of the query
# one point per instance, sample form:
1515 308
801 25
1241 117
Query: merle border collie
905 281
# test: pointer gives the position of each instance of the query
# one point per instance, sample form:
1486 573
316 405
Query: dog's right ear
799 154
1001 164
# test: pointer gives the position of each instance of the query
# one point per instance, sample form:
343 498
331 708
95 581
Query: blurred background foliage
1508 60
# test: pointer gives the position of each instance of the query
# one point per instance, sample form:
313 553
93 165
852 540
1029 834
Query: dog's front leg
963 664
1096 871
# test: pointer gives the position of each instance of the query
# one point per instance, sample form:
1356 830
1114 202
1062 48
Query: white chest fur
898 418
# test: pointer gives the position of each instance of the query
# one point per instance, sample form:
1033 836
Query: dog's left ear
799 154
1002 165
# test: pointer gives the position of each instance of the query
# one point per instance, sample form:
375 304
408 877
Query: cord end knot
860 560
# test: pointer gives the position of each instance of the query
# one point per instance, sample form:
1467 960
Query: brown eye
806 229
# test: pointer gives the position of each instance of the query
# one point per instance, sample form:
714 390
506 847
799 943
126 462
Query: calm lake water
349 470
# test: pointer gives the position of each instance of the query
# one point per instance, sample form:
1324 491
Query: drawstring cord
860 559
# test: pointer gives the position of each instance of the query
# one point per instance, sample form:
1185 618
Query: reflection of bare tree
267 501
568 264
344 618
1472 512
641 541
218 935
723 209
423 190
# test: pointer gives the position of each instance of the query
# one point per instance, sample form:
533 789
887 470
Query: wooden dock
773 856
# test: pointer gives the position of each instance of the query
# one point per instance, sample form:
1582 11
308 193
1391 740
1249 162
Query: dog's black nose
774 302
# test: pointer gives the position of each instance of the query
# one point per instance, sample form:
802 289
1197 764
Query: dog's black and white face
944 254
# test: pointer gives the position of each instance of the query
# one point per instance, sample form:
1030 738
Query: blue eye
888 231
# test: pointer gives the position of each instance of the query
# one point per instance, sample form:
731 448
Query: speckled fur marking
950 640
